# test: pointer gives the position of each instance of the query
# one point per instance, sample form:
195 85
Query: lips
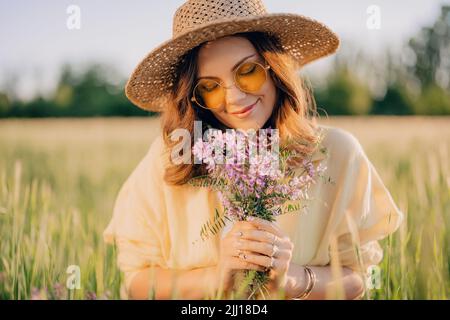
246 109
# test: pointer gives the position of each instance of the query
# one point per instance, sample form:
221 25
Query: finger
271 227
241 226
260 260
283 241
259 235
278 265
283 254
244 248
257 247
241 264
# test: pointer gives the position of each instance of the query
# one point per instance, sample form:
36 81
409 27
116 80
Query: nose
233 95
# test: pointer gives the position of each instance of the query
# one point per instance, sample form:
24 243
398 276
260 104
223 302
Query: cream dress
157 224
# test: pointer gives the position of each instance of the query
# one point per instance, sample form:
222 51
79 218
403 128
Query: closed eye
208 87
247 69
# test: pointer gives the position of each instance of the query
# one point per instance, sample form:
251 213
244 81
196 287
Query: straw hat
198 21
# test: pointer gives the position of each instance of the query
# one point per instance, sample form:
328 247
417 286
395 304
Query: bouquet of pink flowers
251 180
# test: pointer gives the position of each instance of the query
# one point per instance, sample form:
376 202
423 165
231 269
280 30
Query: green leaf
211 228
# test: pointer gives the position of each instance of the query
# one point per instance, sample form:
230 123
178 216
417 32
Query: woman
232 65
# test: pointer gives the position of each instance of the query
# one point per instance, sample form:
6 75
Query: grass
59 179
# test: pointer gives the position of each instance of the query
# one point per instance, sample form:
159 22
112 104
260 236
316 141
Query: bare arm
202 282
352 283
189 284
198 283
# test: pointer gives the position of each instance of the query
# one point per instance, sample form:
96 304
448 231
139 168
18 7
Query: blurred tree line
417 82
89 93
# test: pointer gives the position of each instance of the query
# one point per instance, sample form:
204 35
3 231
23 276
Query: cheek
268 95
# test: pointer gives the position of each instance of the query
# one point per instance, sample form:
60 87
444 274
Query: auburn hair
294 113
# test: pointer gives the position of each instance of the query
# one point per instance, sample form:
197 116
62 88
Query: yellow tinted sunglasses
248 77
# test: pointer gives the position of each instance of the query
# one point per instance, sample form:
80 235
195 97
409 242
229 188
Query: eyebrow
234 67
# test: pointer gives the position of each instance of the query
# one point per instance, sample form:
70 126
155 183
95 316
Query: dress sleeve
137 225
368 212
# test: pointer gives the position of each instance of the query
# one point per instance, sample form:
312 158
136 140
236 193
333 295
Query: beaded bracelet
310 285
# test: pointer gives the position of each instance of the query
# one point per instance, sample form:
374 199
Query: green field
59 179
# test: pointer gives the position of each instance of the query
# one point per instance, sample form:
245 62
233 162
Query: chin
256 123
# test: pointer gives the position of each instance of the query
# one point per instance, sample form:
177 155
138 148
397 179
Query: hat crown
194 13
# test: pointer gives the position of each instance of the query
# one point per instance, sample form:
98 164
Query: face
240 109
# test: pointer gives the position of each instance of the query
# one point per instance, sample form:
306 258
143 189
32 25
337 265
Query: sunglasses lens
250 77
209 94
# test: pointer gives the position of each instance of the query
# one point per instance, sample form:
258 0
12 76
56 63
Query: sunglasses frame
265 68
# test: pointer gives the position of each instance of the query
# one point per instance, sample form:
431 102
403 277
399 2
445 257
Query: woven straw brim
304 38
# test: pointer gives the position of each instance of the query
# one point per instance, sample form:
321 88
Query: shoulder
338 137
157 152
150 167
340 143
157 146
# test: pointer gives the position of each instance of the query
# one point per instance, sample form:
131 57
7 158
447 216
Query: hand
267 245
229 261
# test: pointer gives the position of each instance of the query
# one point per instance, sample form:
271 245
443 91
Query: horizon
43 32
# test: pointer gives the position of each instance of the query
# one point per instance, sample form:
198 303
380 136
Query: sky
35 40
